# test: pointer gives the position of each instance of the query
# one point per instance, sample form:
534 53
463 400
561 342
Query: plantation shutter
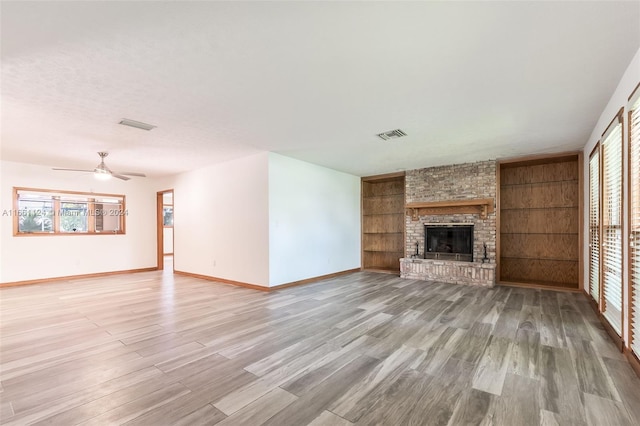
612 225
634 222
594 225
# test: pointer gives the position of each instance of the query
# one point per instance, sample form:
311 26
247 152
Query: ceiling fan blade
103 171
73 170
131 174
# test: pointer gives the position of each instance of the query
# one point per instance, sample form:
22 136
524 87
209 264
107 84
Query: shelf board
540 258
538 283
383 214
382 269
538 208
504 185
398 195
538 233
384 233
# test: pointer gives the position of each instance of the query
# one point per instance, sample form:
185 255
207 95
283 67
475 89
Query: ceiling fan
102 172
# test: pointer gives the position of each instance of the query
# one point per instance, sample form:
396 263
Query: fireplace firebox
450 241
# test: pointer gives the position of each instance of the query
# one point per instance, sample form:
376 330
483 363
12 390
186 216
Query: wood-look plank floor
157 349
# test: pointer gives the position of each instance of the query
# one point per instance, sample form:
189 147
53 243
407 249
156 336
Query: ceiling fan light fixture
101 174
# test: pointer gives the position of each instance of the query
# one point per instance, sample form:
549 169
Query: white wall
314 220
265 219
221 220
37 257
628 82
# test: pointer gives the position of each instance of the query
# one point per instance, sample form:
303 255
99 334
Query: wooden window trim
90 200
631 231
596 150
617 120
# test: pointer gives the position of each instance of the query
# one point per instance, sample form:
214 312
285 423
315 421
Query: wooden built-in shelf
539 222
481 206
383 222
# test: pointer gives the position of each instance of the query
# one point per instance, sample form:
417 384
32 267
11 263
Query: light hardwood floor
157 349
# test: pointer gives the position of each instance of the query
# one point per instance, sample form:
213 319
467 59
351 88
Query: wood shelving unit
540 222
383 222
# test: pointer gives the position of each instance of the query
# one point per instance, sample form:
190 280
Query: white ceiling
466 81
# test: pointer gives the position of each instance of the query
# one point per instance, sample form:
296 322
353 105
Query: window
594 224
47 212
612 224
634 220
74 216
35 214
167 215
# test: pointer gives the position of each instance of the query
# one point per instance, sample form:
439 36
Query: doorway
165 230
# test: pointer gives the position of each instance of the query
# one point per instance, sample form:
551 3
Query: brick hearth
468 273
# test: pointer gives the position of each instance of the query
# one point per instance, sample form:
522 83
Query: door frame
160 227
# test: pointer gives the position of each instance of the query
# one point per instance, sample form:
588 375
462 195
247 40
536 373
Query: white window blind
634 222
594 225
612 226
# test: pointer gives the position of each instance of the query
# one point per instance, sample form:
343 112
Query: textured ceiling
316 81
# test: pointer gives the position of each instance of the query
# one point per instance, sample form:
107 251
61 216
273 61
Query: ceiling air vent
391 134
137 124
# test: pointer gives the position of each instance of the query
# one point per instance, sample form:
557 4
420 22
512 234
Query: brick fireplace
454 194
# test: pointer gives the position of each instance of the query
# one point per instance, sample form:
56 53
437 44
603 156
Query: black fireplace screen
448 242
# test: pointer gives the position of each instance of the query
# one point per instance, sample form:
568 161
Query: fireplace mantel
481 206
